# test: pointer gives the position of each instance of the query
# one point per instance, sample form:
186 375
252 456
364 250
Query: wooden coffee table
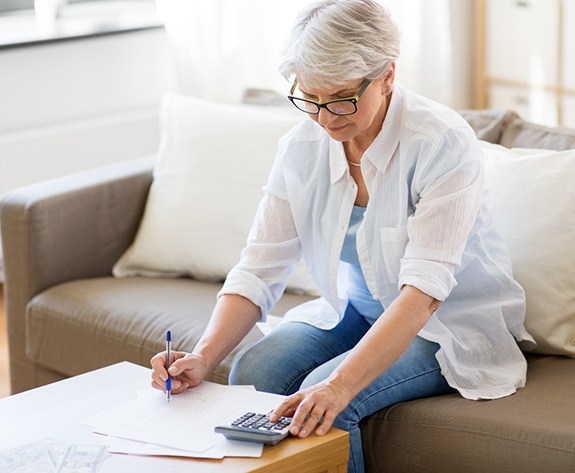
53 412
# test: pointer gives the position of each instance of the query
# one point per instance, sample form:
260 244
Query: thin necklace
357 165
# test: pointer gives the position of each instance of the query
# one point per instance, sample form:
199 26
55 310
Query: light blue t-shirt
359 295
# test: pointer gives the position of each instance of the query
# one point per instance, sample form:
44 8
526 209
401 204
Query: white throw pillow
213 162
533 200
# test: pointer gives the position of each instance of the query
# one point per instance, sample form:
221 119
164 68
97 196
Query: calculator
253 427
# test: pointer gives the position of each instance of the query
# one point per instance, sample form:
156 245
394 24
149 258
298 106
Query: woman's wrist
202 355
343 386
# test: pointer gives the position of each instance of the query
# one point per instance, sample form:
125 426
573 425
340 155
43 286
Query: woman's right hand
187 370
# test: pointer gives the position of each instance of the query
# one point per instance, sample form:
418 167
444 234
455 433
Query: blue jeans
299 355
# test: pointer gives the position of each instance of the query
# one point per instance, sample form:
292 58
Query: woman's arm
394 330
233 317
260 275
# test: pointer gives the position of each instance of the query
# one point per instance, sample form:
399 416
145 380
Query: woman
381 191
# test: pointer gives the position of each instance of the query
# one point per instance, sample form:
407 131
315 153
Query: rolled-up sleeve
272 250
447 191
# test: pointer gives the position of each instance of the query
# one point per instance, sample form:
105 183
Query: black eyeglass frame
319 105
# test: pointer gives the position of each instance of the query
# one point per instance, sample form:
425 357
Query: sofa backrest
508 129
489 124
523 134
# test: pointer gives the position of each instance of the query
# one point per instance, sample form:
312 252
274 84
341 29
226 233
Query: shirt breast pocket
393 243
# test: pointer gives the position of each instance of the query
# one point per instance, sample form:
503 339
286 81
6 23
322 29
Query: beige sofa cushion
533 206
213 161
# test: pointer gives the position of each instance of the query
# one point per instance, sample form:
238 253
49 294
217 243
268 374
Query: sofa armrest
64 229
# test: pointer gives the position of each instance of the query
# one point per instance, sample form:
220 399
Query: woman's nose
325 117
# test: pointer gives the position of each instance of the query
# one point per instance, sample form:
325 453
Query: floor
4 370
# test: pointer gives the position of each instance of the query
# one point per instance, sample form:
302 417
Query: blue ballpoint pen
168 362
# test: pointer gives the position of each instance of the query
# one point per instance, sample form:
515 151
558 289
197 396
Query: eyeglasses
344 106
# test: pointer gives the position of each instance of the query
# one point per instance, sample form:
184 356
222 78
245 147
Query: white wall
78 104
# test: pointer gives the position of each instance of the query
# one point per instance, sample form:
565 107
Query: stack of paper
184 426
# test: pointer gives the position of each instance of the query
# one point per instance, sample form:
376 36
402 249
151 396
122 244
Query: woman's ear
390 77
387 82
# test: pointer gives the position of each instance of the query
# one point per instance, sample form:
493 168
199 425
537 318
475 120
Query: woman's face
365 124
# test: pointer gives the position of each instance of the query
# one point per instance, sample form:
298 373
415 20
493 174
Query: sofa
80 296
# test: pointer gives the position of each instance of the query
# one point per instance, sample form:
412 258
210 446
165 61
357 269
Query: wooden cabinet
529 58
533 103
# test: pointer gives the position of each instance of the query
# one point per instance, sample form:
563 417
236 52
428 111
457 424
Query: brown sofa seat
531 431
90 323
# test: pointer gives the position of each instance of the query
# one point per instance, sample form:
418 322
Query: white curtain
436 57
222 47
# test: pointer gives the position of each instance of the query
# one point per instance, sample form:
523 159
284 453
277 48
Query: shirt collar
386 142
381 150
337 160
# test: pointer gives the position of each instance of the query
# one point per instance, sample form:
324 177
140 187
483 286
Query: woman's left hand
317 404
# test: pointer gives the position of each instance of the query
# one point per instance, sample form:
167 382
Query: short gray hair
337 41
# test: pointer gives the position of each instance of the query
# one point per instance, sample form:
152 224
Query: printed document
187 421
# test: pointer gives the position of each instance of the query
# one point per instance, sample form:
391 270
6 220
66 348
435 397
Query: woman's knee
264 368
248 369
323 371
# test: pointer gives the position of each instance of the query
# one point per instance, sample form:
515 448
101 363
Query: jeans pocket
393 243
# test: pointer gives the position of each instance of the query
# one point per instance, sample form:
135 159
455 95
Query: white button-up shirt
426 225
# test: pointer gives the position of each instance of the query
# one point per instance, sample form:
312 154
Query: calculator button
251 420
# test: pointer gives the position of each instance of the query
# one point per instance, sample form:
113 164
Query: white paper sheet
224 448
186 422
